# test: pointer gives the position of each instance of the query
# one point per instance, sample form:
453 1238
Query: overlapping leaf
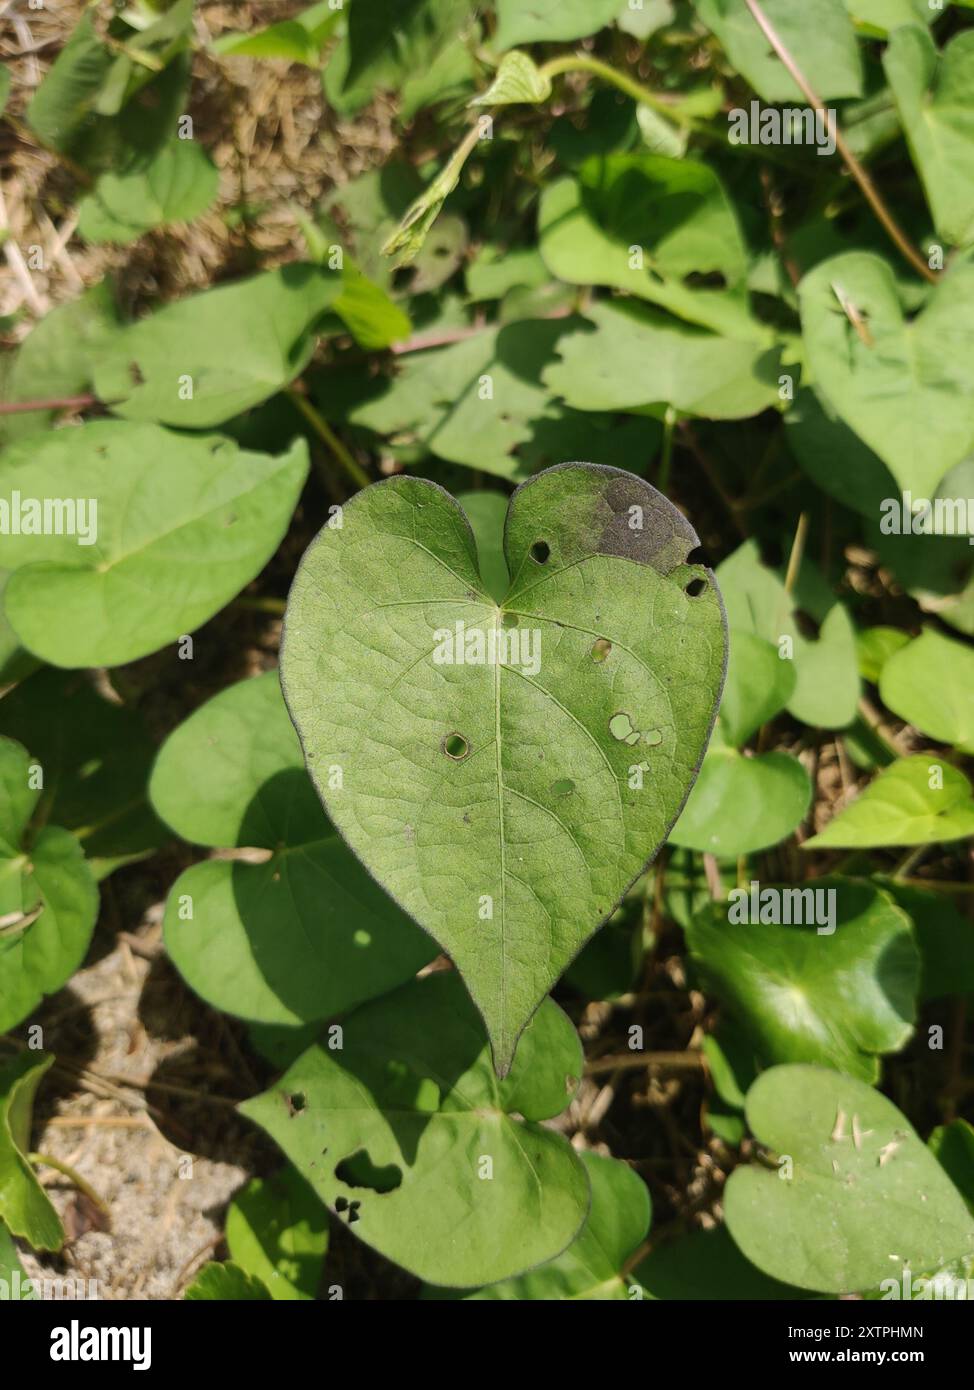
406 1133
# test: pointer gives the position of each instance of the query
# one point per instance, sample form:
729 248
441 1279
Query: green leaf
905 386
277 1232
743 804
953 1146
419 49
517 79
496 269
495 801
55 359
930 684
25 1208
48 896
182 524
206 358
935 97
480 402
838 989
901 807
591 1269
546 21
175 184
373 319
945 938
866 1199
826 670
835 458
875 646
298 40
226 1283
643 223
637 356
95 755
759 686
296 934
398 1129
706 1267
65 100
13 1279
820 37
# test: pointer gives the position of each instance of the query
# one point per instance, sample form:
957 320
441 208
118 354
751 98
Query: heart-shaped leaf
916 801
637 356
406 1133
48 895
517 80
935 96
277 1231
301 931
643 223
821 37
157 515
743 804
865 1198
25 1208
930 684
839 988
506 772
826 670
591 1269
175 184
206 358
905 386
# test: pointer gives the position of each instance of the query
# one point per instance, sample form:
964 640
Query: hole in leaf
601 649
297 1102
540 552
697 556
564 787
358 1170
455 746
695 588
510 620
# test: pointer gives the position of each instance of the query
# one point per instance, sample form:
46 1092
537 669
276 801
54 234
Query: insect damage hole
695 588
455 746
540 552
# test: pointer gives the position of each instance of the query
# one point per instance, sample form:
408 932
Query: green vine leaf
865 1198
930 684
509 800
155 504
905 385
277 1232
301 932
518 79
25 1208
48 895
916 801
408 1136
839 993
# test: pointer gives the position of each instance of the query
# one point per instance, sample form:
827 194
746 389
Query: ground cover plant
486 683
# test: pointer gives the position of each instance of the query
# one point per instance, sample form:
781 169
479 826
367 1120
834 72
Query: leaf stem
857 170
666 453
325 432
81 402
72 1174
797 551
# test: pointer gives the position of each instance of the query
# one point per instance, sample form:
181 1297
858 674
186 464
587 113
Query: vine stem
82 402
580 62
72 1174
325 432
857 170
